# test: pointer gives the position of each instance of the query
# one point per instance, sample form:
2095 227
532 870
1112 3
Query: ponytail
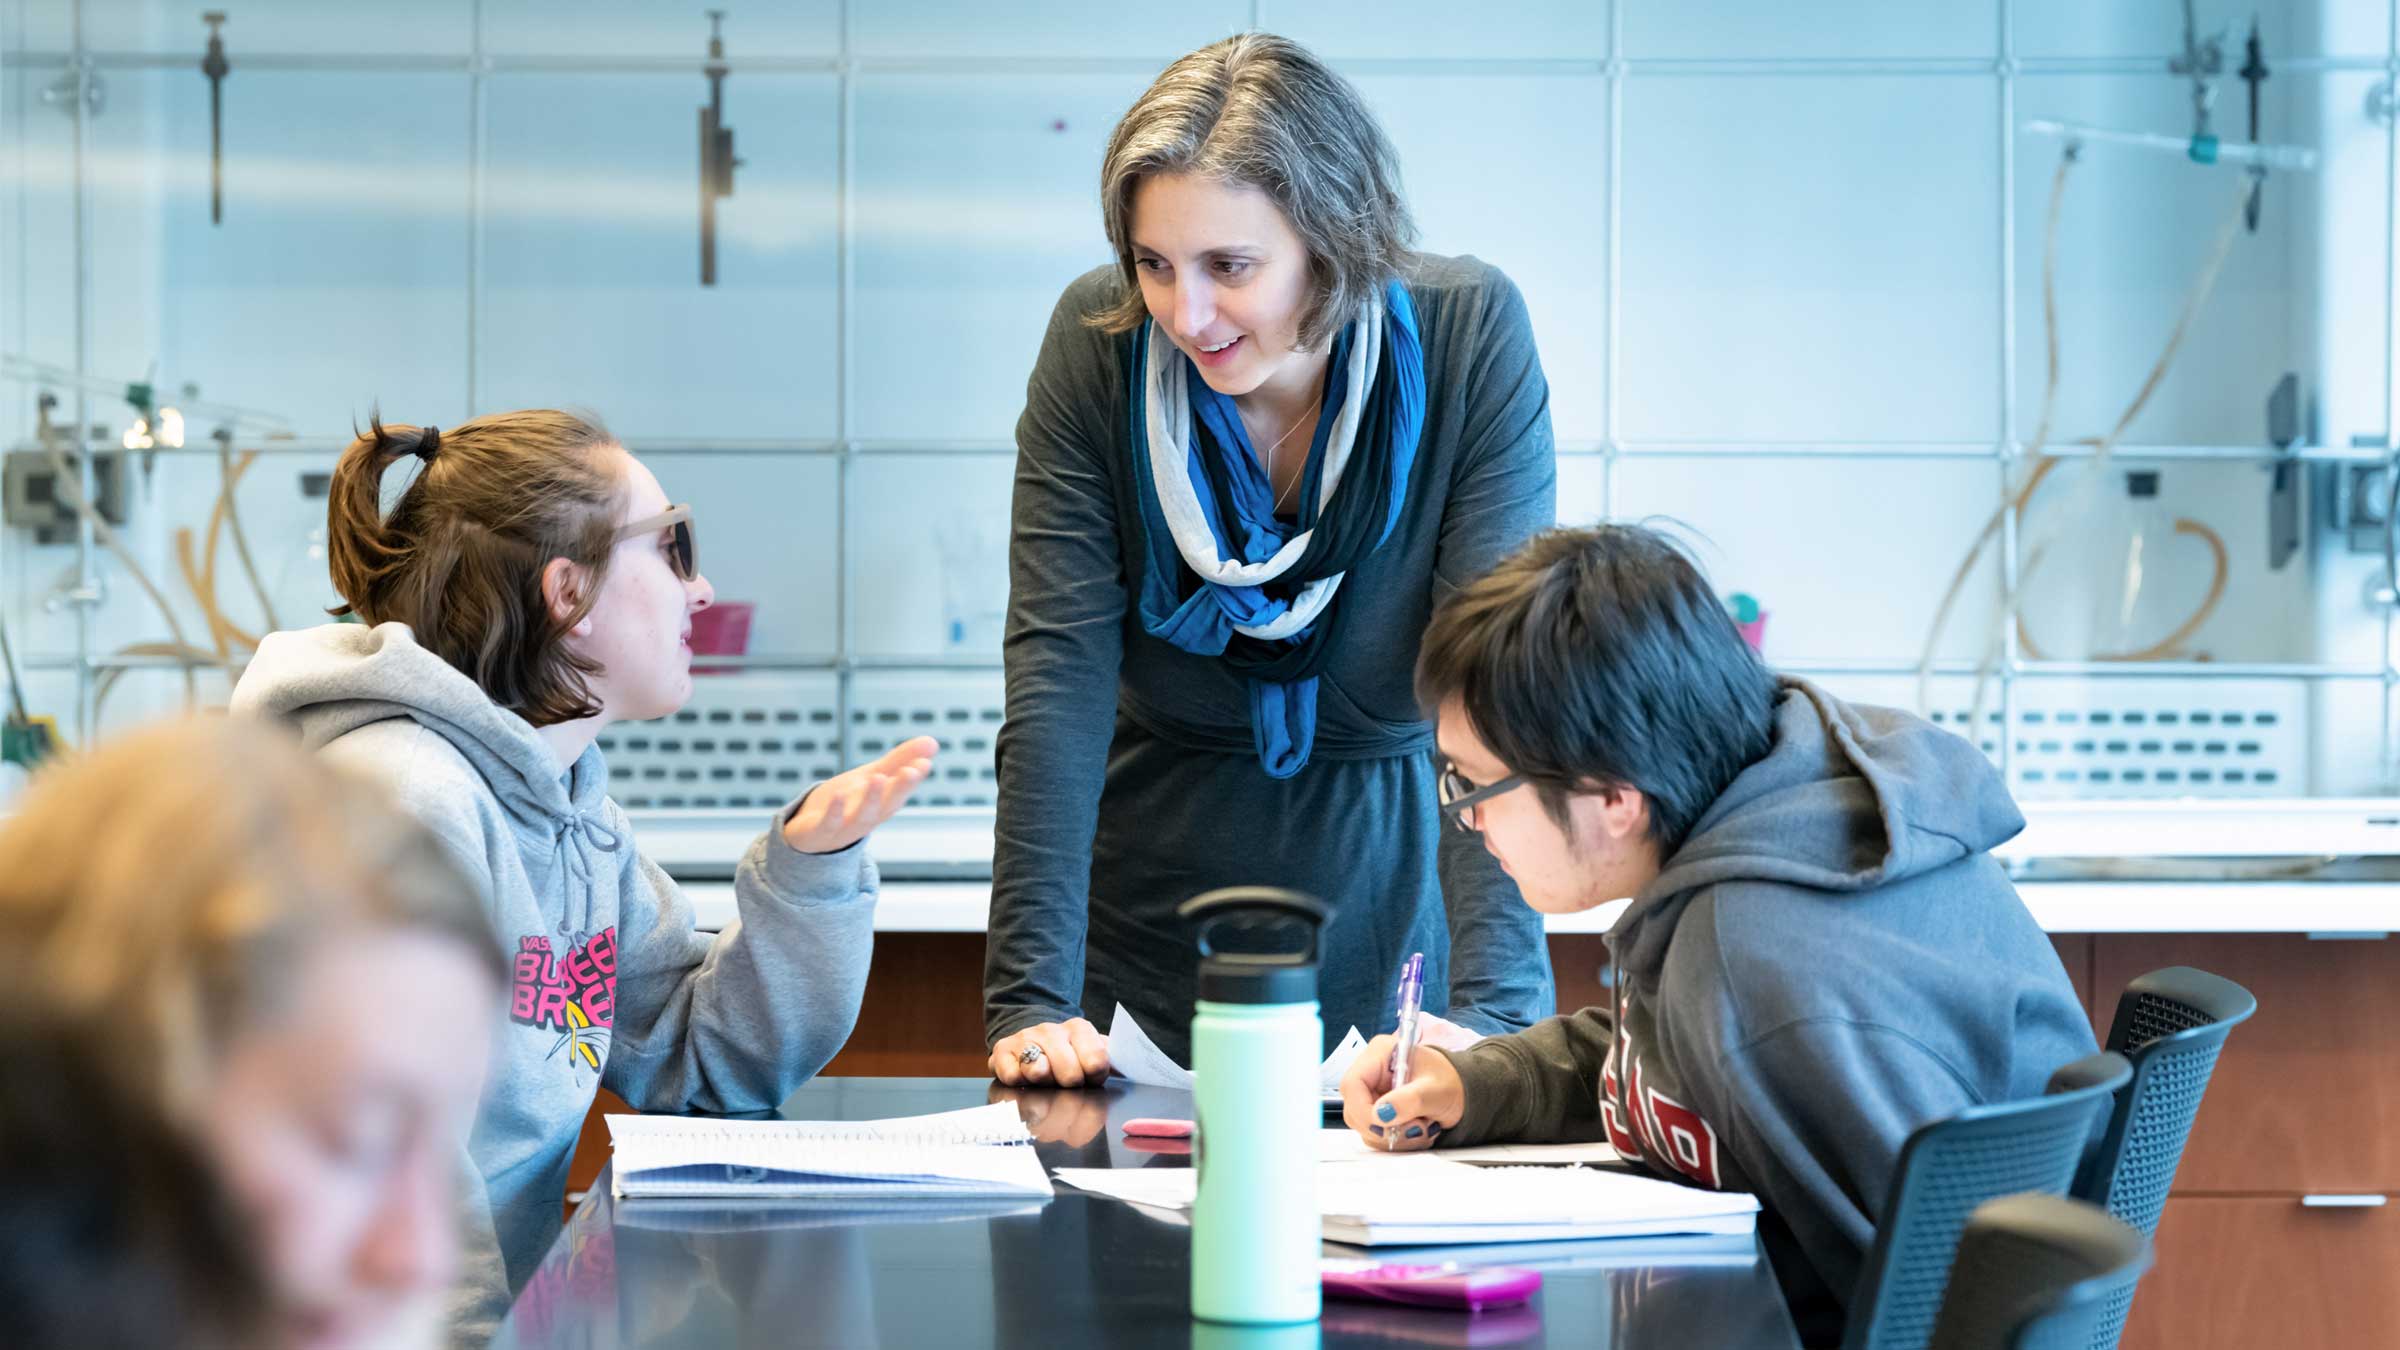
364 554
460 555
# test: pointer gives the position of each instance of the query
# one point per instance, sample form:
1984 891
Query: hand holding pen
1408 1114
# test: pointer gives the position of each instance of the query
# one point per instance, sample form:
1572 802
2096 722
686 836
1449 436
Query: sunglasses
1460 796
683 554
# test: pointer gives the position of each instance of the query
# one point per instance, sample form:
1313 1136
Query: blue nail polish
1385 1112
1414 1131
1376 1128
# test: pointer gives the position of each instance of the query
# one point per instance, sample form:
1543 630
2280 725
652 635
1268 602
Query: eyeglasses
683 554
1460 796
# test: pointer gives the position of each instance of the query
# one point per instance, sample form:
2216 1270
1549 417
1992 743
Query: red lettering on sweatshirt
1647 1125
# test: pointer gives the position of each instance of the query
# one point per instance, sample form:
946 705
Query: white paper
983 1150
996 1123
1422 1198
1132 1055
1339 1062
1335 1144
1156 1187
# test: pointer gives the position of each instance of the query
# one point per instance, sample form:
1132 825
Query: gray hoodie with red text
1831 959
610 984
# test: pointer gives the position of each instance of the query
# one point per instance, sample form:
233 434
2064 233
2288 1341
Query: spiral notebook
982 1151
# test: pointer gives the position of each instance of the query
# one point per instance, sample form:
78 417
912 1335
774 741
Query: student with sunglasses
528 587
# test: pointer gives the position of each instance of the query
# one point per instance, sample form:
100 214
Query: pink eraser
1161 1129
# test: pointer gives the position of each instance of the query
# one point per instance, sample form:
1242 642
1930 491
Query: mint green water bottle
1255 1051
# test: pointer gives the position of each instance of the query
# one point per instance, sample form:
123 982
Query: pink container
722 629
1755 632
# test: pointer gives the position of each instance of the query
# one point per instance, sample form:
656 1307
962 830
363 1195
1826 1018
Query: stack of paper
1518 1204
1134 1056
1342 1144
1426 1199
981 1151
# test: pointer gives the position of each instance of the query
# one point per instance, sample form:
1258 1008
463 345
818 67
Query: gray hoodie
610 985
1831 959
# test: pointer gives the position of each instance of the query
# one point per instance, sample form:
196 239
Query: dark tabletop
1077 1270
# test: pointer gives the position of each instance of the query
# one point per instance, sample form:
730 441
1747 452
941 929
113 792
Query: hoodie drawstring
579 833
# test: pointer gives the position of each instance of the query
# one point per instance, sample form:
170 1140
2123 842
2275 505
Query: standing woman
1253 455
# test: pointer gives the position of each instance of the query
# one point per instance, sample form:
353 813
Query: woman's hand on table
1401 1119
1073 1053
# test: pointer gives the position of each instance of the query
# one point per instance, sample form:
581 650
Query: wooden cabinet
2306 1096
2242 1272
2305 1101
922 1016
2075 953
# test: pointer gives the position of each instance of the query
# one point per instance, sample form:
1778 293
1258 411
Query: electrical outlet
30 497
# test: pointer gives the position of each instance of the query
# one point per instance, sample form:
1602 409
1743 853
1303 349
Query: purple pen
1412 1002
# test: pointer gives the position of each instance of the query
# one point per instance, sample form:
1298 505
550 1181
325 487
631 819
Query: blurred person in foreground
248 1014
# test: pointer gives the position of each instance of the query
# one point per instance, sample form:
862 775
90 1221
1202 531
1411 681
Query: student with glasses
1820 954
529 586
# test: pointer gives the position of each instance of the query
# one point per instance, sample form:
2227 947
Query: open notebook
981 1151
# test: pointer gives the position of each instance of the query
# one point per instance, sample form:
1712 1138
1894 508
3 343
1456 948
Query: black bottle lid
1258 944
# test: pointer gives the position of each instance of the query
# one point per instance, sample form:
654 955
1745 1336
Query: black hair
1599 658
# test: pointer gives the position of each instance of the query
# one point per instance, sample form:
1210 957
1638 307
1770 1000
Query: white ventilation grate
2152 738
744 742
963 710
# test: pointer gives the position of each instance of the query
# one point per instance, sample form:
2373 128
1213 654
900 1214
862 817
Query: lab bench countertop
2090 867
2344 907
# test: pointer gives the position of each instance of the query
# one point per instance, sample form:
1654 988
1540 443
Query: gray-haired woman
1254 452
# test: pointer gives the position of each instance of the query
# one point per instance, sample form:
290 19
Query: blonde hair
158 891
1262 110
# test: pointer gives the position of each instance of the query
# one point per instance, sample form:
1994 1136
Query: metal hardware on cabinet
2344 1201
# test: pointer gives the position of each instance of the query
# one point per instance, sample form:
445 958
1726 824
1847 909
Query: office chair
1951 1166
2037 1272
2170 1024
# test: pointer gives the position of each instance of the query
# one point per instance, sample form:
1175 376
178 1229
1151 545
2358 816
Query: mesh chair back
2036 1272
2171 1024
1951 1166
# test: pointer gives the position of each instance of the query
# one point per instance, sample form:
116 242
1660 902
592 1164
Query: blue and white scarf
1224 577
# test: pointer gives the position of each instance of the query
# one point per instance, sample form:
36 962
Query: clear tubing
2211 151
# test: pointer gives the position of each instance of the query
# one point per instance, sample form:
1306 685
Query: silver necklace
1305 420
